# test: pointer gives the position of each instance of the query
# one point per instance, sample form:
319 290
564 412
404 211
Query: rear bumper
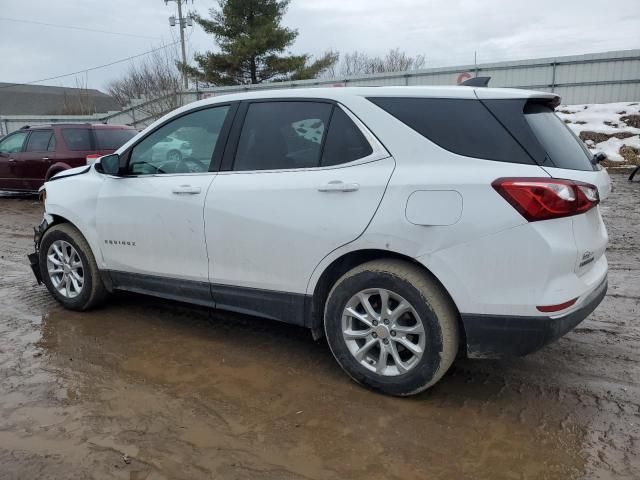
498 336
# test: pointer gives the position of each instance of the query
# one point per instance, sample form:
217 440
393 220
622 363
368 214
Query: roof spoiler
476 82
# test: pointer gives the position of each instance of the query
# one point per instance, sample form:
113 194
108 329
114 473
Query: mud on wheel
391 327
69 269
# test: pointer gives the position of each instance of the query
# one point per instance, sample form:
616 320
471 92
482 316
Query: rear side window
282 135
562 147
39 141
461 126
77 138
112 139
345 142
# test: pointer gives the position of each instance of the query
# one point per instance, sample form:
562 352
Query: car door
38 155
10 152
302 179
150 220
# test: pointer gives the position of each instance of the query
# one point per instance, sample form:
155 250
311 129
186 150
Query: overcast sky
446 31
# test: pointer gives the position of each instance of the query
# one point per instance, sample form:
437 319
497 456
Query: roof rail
476 82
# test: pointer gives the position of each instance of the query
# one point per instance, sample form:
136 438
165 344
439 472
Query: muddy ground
147 389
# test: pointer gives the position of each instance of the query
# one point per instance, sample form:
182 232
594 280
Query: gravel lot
147 389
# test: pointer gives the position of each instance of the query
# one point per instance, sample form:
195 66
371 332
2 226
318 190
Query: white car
407 224
171 149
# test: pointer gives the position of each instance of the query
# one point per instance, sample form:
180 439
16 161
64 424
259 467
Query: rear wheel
391 327
69 269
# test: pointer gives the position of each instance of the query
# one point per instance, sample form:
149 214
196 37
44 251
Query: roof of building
49 100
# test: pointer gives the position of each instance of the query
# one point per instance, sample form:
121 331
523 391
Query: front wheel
391 327
69 269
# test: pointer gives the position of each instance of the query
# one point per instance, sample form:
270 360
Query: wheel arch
348 261
57 219
56 168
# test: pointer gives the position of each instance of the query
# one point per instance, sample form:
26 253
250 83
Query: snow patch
606 119
612 147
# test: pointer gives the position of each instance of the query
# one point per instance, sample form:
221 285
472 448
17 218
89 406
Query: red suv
32 155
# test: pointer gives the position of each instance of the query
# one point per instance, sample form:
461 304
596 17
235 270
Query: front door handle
186 190
338 186
12 160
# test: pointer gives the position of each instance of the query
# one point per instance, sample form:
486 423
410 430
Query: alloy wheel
383 331
65 269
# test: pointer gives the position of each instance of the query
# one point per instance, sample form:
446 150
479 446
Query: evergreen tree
252 45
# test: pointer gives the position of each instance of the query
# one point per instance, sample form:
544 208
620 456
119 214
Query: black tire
93 291
435 310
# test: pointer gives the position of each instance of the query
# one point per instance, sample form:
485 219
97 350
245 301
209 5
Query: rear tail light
92 158
557 308
546 198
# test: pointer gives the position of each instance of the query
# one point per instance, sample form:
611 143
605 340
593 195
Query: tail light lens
546 198
91 159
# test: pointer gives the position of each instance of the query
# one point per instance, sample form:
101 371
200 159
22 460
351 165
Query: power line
73 27
85 70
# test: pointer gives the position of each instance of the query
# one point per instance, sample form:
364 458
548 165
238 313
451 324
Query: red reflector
546 198
557 308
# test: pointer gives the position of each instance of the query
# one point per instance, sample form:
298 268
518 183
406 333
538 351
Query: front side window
282 135
77 139
13 143
39 141
184 145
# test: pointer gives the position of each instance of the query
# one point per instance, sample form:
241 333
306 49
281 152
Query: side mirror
109 164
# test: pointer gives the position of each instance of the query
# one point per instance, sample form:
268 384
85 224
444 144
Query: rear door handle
12 160
338 186
186 190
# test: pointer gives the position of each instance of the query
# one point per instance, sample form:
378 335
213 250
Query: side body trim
281 306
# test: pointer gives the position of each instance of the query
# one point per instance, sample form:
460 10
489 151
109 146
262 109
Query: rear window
562 147
462 126
112 139
77 138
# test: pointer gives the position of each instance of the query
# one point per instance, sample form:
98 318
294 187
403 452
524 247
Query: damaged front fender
34 258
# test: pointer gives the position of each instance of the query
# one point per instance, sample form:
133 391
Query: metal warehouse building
592 78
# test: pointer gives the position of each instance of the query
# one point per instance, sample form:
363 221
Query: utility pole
182 24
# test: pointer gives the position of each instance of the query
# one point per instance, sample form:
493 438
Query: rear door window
462 126
562 147
77 138
282 135
111 138
345 142
39 141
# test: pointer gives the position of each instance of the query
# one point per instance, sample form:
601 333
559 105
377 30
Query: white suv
408 225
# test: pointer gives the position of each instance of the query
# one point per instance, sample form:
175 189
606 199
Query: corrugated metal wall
592 78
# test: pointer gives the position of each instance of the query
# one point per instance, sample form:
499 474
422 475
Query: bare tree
360 63
78 102
154 81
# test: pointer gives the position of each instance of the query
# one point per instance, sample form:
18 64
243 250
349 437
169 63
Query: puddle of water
234 395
